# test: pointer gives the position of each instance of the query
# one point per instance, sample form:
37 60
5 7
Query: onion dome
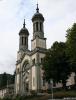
24 30
37 15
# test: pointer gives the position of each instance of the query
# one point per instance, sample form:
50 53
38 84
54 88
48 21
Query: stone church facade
29 73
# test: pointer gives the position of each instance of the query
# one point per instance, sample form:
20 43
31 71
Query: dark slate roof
37 15
24 31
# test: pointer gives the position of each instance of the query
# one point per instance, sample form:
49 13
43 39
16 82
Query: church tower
23 41
23 49
38 40
38 20
38 49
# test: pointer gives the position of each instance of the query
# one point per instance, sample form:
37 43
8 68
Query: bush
6 98
64 93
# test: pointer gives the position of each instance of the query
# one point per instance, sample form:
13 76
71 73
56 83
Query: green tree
56 63
71 46
6 79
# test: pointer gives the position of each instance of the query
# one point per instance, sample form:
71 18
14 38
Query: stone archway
25 76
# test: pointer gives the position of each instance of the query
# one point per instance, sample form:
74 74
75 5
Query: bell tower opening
36 26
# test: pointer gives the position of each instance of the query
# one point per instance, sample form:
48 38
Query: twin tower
38 30
29 73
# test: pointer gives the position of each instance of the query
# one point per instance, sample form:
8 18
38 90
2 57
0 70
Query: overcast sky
59 16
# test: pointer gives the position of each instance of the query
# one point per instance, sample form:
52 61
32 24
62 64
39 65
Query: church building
29 73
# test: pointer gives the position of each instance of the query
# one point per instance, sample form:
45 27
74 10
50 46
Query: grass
62 94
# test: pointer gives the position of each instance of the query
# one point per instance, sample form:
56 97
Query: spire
24 24
37 9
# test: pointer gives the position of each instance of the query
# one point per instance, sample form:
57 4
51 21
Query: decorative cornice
30 53
39 38
38 49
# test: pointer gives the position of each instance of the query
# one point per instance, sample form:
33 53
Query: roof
24 30
37 15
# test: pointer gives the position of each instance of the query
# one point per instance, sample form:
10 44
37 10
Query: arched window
36 26
42 60
22 40
33 61
25 40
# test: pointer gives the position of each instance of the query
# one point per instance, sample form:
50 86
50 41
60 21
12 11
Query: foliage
56 63
6 79
71 46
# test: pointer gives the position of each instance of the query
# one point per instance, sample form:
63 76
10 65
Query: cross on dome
24 24
37 9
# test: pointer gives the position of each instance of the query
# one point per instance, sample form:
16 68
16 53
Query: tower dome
37 15
24 30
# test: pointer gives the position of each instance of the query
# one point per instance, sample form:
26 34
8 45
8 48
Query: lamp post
52 87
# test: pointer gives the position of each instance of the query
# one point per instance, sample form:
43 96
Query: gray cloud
1 0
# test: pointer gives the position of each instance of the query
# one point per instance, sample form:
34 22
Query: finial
24 24
37 8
